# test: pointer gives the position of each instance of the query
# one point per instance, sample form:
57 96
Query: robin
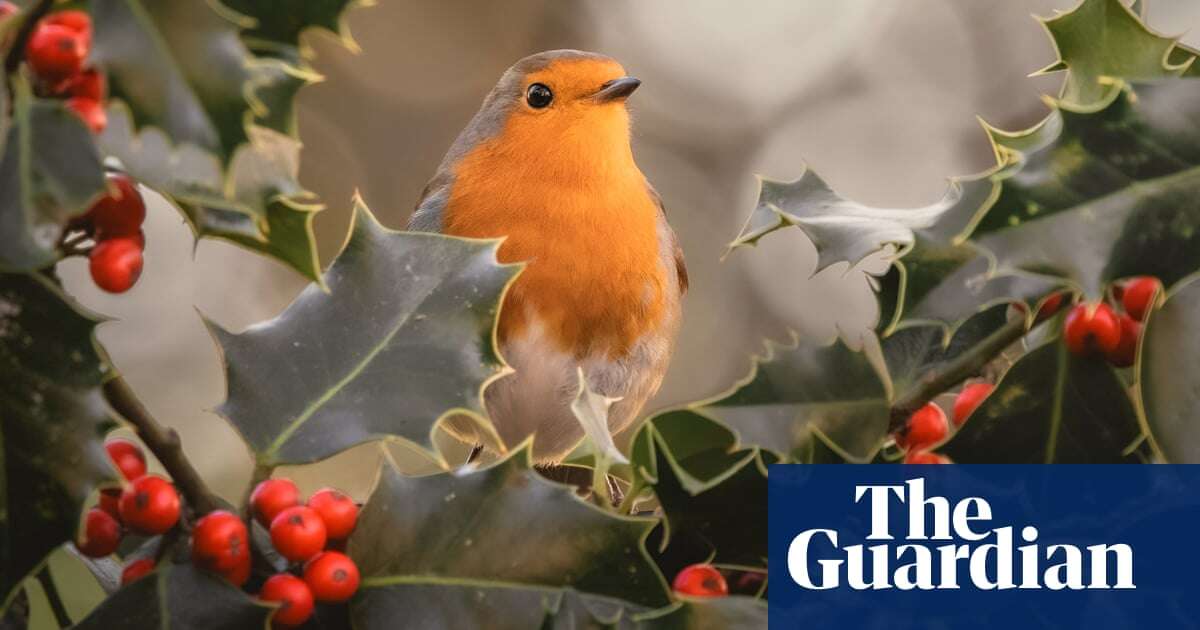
547 164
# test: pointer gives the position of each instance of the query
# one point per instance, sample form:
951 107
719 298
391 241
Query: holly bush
1051 298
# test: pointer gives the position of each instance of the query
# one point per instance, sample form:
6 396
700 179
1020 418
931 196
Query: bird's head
559 101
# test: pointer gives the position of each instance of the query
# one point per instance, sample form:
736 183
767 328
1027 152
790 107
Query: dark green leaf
795 391
491 546
53 420
178 597
1051 407
726 613
279 23
1169 366
49 172
1104 38
701 477
1105 192
180 66
402 339
916 350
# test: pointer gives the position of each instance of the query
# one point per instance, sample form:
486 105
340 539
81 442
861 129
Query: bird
547 165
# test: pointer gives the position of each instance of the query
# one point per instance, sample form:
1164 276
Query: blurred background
878 96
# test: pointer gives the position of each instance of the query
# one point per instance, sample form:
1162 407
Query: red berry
925 457
337 510
150 505
87 84
116 263
332 576
700 580
120 212
136 569
127 456
78 21
1126 351
101 534
272 497
298 533
220 541
8 9
109 499
240 573
1091 329
296 600
55 52
968 399
90 111
926 427
1138 295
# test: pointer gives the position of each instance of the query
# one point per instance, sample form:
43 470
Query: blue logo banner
978 547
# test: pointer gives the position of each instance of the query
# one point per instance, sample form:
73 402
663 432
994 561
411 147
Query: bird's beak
617 89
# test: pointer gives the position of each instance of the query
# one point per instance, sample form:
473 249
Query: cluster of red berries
928 426
114 223
147 505
301 533
1099 330
56 51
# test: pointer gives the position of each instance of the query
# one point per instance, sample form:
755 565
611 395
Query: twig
164 443
13 60
56 603
961 368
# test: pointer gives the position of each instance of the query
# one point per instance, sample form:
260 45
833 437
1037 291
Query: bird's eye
538 96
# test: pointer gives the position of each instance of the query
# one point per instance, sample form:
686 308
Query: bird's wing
428 215
680 267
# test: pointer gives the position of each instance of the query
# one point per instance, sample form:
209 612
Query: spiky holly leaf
1105 192
402 338
797 390
1104 38
917 350
256 202
178 596
736 612
701 477
574 611
478 547
278 24
937 275
180 66
49 172
53 419
1168 367
1051 407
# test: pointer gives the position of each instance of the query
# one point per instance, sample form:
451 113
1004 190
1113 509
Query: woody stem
164 443
954 372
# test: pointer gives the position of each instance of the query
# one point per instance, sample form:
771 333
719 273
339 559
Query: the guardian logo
975 553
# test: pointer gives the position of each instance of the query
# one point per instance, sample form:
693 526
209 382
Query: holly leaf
401 339
1051 407
1103 38
53 419
178 596
736 612
701 476
50 172
278 24
491 547
799 390
1104 192
1167 366
256 202
912 352
180 66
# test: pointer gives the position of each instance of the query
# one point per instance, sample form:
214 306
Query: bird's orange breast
580 215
